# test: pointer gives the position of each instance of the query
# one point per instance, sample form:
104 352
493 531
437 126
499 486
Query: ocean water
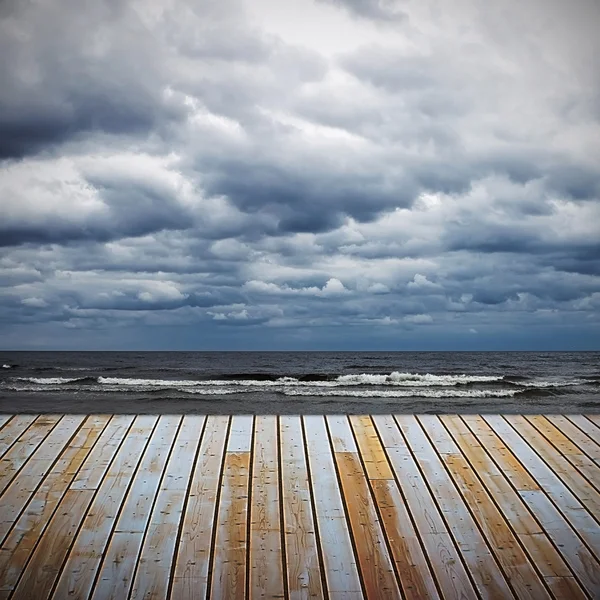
300 382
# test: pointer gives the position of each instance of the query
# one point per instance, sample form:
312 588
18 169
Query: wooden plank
13 429
581 520
511 467
31 525
3 420
20 452
341 572
84 559
581 431
446 563
266 556
486 574
555 432
154 567
341 433
231 541
190 579
584 479
374 561
519 571
22 488
240 435
94 469
535 541
594 419
121 555
303 570
416 578
371 449
583 564
45 564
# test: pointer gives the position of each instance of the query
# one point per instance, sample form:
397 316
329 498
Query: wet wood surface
336 507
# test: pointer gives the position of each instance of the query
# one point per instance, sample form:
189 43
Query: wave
7 366
420 393
56 380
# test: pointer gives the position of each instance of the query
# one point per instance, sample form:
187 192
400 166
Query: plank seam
213 537
377 509
286 590
314 513
249 507
151 509
585 433
184 507
346 511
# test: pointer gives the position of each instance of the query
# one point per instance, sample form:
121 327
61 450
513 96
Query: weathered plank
371 449
303 569
12 430
31 525
78 574
446 563
190 578
490 581
151 579
341 572
266 554
115 574
229 561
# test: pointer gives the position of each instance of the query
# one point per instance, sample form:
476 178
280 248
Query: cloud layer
350 174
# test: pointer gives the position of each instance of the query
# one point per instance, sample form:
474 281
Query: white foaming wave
7 366
211 391
543 383
420 393
49 380
414 379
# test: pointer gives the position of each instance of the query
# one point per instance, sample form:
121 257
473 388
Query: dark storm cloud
179 165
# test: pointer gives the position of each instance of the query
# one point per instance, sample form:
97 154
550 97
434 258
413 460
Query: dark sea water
300 382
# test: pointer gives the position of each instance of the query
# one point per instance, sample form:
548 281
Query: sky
299 175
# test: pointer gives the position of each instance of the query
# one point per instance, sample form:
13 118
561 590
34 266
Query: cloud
206 167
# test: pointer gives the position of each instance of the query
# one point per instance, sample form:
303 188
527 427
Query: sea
300 382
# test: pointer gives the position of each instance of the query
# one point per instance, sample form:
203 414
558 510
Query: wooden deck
125 506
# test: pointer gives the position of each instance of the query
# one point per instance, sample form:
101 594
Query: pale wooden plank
489 579
511 467
91 473
22 539
581 431
266 560
121 555
555 431
20 452
446 563
84 559
571 548
566 587
583 564
521 574
3 420
231 542
341 572
581 520
22 488
416 578
302 569
341 434
240 435
550 445
594 419
374 561
13 429
371 449
190 578
151 579
44 567
535 541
